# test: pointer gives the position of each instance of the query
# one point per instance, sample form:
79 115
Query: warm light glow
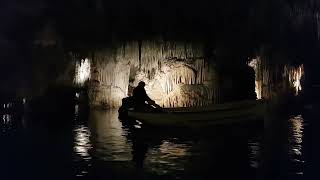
110 139
297 134
168 157
82 143
83 70
295 74
178 84
296 129
168 69
172 149
258 85
111 83
81 148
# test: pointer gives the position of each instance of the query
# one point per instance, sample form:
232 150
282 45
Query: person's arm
147 98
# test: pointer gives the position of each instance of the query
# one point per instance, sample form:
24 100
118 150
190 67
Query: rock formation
176 74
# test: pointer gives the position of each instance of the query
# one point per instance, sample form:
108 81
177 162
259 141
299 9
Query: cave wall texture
176 73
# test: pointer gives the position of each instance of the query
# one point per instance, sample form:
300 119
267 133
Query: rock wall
176 73
109 78
274 78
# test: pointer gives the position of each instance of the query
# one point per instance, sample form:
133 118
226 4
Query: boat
234 112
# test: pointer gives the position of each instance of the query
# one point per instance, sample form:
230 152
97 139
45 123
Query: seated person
140 98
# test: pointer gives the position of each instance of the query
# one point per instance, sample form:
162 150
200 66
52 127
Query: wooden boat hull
221 114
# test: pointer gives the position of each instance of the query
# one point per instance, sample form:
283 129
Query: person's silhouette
140 97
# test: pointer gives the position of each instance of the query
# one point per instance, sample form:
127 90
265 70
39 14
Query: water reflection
100 145
6 122
171 150
82 143
169 157
109 137
296 127
296 124
76 111
254 150
6 118
103 142
81 148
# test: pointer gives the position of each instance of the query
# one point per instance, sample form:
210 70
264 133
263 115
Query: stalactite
176 73
265 77
188 95
112 70
279 77
82 71
294 75
172 64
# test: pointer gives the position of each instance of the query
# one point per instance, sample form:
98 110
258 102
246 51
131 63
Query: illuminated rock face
269 79
82 71
261 77
178 83
294 76
176 74
110 72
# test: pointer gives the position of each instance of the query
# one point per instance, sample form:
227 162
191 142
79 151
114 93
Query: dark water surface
97 145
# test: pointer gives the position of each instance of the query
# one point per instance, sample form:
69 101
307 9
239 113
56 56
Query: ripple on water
6 123
81 148
106 142
296 132
168 157
254 153
82 143
109 137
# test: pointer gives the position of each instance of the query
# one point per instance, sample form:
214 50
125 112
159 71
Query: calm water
97 145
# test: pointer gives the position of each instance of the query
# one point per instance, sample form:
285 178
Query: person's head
141 84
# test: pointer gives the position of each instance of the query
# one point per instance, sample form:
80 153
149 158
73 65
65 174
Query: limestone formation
176 73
